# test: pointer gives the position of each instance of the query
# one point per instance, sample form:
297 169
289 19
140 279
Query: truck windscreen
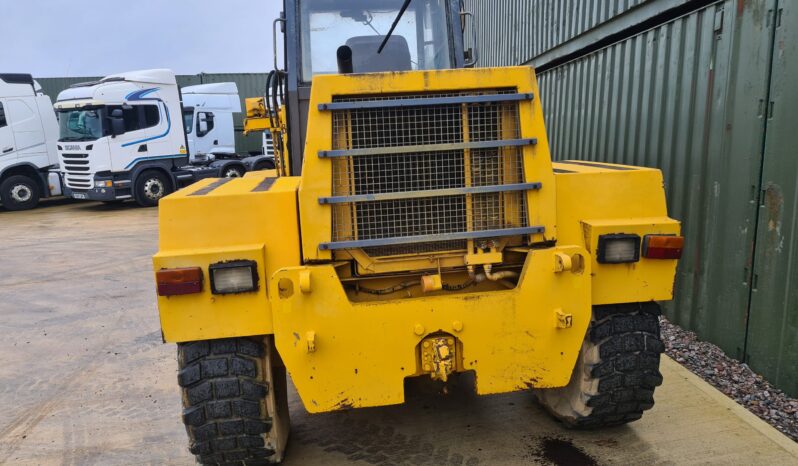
83 124
419 42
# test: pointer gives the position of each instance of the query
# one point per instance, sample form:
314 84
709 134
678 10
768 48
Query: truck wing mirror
202 124
117 121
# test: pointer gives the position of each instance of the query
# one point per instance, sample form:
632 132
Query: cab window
138 117
421 40
2 116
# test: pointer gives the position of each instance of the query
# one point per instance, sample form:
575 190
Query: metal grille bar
424 102
432 238
428 148
433 193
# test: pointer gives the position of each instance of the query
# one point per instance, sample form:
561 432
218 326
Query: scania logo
72 147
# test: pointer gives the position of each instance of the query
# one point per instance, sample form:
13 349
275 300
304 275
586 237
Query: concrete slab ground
85 379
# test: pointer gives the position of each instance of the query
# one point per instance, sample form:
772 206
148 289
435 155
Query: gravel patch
732 377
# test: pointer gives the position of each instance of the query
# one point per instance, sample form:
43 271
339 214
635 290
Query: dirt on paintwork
559 451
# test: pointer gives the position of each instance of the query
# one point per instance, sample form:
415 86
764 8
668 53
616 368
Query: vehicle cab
346 37
208 119
112 129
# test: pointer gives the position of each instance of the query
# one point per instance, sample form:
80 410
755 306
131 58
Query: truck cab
28 133
208 119
123 137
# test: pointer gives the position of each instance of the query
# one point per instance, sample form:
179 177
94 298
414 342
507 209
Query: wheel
234 401
616 372
19 192
151 187
264 165
233 172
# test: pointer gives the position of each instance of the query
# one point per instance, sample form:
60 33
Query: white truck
129 136
29 167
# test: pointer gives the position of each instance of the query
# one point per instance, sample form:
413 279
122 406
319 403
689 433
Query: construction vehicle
415 226
123 138
29 168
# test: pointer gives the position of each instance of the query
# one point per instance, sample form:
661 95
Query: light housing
663 246
103 184
181 281
232 277
618 249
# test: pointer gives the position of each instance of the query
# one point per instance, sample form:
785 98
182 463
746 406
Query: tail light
663 246
174 282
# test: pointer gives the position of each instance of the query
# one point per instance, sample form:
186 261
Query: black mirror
202 124
117 122
117 126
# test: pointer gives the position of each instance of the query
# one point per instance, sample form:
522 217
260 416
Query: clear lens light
233 280
620 250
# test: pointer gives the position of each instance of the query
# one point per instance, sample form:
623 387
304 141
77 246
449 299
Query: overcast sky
54 38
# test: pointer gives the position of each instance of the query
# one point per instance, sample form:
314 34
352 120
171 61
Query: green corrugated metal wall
249 85
692 96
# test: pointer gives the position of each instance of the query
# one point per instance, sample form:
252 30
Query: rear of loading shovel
342 354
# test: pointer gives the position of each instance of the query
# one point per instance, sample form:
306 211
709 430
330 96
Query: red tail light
174 282
663 246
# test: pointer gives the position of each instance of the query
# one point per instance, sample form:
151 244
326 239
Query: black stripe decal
211 187
560 170
264 185
597 165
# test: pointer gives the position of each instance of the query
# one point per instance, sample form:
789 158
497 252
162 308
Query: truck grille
77 171
426 175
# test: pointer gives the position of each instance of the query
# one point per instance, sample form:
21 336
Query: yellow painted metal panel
646 280
363 351
203 316
616 199
197 230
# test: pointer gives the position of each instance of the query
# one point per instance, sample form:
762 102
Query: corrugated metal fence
249 85
692 95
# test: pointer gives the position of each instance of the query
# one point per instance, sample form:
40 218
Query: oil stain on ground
561 452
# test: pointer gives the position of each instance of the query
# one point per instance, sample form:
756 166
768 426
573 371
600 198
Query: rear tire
225 401
264 165
151 187
616 372
19 192
233 172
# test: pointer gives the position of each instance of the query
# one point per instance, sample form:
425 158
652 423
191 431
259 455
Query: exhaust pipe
344 55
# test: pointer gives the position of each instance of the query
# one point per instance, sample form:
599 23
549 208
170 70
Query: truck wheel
19 192
151 186
616 372
233 172
264 165
225 401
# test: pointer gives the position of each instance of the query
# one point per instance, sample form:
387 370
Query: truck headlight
234 277
103 184
618 249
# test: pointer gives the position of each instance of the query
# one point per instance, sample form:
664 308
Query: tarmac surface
85 379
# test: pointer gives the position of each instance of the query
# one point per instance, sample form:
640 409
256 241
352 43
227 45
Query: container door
772 347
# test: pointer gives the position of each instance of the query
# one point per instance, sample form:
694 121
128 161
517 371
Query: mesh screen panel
426 170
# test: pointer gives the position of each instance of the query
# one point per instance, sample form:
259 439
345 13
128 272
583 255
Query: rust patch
774 204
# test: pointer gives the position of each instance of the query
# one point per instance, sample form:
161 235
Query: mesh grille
422 171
